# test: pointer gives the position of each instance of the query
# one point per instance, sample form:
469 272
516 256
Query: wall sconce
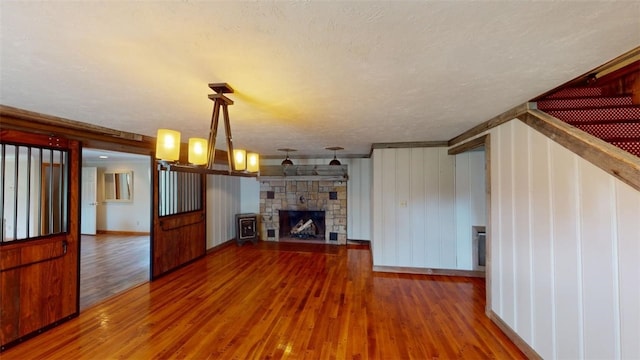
202 151
335 160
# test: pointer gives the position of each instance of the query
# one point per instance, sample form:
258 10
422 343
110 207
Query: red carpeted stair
614 119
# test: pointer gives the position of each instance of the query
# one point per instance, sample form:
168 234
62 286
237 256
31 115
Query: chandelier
201 152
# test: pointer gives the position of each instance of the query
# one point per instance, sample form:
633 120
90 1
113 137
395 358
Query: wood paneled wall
413 208
565 245
359 198
471 204
223 203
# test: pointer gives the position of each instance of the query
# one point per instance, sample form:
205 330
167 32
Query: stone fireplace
301 200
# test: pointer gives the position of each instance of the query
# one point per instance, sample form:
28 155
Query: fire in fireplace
302 224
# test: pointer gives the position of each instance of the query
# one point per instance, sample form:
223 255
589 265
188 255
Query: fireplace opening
302 224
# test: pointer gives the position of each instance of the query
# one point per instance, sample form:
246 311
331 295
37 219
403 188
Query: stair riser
583 103
612 130
607 114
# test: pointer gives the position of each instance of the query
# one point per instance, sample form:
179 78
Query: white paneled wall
359 198
249 195
223 203
413 208
470 203
565 249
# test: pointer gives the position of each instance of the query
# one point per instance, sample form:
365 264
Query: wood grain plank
287 302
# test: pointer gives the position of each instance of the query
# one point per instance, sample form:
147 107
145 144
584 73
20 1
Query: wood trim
91 136
513 336
491 123
607 157
469 145
411 144
118 232
428 271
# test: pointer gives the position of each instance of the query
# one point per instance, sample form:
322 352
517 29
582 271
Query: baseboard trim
117 232
513 336
221 246
429 271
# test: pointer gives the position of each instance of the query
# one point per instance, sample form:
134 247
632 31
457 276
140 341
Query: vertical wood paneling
521 231
404 226
446 202
470 204
389 210
570 233
359 198
414 202
598 267
377 206
463 211
568 300
628 231
495 229
418 209
542 311
432 241
223 203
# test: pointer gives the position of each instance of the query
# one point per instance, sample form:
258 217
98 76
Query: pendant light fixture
201 154
335 160
287 161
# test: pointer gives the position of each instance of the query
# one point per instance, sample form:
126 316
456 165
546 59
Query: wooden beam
221 97
411 144
469 145
491 123
607 157
221 88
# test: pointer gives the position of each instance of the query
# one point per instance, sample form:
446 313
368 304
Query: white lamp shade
239 159
198 151
253 162
168 145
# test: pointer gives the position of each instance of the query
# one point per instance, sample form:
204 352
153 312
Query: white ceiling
307 75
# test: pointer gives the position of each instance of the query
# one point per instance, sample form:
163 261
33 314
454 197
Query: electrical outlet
403 204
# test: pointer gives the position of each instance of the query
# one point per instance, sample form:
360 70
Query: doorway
115 224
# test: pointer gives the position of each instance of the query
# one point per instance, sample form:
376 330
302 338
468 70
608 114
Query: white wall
413 208
223 203
565 249
249 195
470 203
359 198
125 216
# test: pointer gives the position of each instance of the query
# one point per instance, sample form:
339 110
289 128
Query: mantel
304 172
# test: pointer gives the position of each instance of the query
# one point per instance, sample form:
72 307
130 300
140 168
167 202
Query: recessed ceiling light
103 157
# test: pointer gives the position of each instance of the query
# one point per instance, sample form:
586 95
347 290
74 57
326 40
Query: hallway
111 264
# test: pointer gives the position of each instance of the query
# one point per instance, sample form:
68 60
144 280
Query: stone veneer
287 195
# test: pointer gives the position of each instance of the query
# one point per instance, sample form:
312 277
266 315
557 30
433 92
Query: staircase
614 119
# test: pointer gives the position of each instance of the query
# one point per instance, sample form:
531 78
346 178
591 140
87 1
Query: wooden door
179 226
89 200
39 249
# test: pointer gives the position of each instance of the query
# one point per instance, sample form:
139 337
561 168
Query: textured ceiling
307 75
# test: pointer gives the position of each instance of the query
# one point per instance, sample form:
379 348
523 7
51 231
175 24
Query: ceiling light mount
335 160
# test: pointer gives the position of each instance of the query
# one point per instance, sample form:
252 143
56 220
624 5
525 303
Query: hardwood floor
111 264
285 301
